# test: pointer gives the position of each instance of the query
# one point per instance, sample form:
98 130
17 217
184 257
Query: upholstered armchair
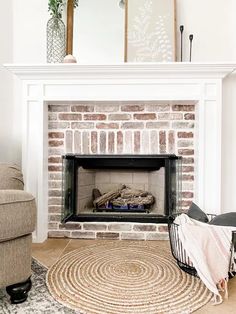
17 222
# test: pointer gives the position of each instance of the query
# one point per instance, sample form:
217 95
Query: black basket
177 249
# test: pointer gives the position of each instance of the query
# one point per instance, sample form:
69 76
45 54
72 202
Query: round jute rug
124 277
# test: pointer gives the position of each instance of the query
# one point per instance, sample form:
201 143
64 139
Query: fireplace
132 188
43 84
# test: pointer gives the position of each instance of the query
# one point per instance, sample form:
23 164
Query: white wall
212 23
6 103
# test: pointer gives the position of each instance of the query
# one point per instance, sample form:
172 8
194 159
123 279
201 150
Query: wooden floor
48 252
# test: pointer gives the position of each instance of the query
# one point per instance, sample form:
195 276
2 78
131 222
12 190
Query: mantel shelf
123 70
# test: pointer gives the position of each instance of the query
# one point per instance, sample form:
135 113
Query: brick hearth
117 128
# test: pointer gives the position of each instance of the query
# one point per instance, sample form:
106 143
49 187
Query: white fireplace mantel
42 83
122 70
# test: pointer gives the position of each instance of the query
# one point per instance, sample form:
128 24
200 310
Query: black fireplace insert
134 188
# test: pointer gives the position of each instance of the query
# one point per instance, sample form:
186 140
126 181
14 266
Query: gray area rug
39 299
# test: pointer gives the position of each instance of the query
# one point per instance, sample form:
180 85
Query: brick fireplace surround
120 109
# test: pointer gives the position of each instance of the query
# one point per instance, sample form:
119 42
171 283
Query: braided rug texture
125 277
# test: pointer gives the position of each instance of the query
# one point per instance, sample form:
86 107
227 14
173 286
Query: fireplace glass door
143 188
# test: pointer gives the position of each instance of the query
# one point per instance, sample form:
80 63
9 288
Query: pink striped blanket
209 249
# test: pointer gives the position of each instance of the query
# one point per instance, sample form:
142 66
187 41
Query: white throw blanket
208 247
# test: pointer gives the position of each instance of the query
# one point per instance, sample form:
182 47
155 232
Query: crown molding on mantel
122 70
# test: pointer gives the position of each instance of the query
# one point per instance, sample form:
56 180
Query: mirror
99 28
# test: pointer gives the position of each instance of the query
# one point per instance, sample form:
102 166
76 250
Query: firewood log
96 193
147 200
103 199
128 192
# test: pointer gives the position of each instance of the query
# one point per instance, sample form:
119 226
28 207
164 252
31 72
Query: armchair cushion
10 177
17 214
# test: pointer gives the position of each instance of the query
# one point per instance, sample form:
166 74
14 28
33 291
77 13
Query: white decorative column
41 84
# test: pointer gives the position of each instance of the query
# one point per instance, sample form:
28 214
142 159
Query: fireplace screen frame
172 185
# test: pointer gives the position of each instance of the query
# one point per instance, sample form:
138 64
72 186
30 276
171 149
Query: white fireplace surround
43 83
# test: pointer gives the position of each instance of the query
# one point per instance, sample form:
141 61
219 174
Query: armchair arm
17 214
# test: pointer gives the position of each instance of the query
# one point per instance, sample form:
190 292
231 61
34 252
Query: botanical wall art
150 31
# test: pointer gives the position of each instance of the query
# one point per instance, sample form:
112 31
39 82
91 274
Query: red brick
55 176
54 200
185 143
94 226
163 229
187 169
187 177
157 236
94 117
107 125
158 125
182 125
94 142
83 234
189 116
132 108
108 235
54 143
70 226
132 125
82 108
69 141
111 142
185 134
186 152
52 225
187 160
56 135
52 116
137 142
85 142
102 106
120 227
119 117
145 227
170 116
70 116
59 108
102 142
157 107
58 125
55 217
54 160
54 168
59 234
54 209
132 236
154 147
145 116
82 125
183 107
54 193
171 142
187 194
162 142
119 142
185 203
55 151
54 184
77 142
